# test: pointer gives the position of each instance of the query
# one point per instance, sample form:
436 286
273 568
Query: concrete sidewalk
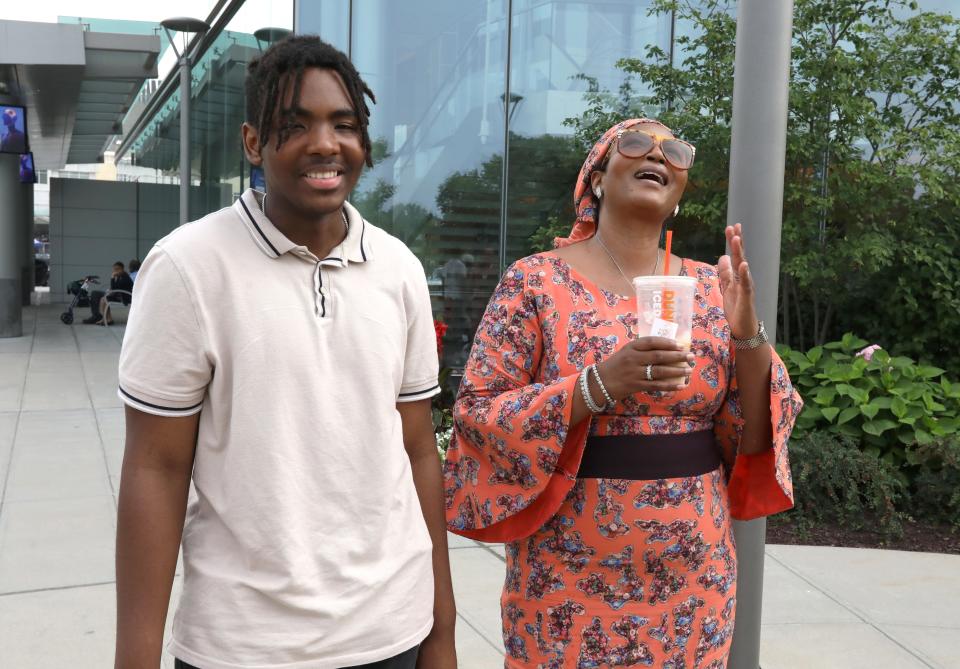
61 442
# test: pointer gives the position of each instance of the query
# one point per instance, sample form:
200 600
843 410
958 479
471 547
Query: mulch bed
917 536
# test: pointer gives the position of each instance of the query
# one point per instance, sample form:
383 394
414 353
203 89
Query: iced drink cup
665 308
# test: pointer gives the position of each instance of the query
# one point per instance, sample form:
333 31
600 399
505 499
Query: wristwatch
756 341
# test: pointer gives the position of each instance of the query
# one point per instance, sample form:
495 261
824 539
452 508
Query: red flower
440 328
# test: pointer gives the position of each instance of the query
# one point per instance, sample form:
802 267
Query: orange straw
666 254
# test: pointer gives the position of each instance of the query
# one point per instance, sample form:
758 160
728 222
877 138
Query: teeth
322 175
656 177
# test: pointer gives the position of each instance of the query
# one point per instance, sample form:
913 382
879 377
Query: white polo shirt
306 545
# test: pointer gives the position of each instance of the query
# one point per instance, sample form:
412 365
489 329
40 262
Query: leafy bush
936 481
883 403
834 481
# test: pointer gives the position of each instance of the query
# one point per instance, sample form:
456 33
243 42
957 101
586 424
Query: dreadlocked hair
281 67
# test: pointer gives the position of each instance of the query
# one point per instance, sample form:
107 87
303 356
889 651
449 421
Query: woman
611 465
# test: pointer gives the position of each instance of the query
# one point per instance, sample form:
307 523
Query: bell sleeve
760 484
513 455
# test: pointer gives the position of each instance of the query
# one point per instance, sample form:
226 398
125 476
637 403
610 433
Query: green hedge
886 404
834 481
878 439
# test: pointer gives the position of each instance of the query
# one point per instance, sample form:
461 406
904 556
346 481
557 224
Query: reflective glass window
560 50
330 19
218 167
438 71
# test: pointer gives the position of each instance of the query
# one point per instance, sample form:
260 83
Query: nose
656 154
323 140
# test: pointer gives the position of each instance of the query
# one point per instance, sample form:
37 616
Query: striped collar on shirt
354 248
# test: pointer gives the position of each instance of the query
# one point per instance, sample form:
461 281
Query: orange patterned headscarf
584 201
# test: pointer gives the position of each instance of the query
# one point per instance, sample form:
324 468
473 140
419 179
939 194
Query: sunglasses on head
638 143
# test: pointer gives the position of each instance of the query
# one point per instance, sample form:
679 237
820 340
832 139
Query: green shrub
936 481
834 481
884 403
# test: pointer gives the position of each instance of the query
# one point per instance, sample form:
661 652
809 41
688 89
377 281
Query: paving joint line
852 609
96 421
16 422
55 588
491 551
479 633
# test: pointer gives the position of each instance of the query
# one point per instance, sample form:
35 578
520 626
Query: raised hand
736 286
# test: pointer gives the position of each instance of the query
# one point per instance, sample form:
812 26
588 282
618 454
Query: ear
596 179
251 144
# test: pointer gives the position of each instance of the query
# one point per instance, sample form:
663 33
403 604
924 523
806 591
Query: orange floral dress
604 572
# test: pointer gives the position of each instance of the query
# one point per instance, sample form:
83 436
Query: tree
871 194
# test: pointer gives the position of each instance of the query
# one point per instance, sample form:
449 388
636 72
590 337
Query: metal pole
758 147
184 139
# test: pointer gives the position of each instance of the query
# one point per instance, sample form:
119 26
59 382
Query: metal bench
107 303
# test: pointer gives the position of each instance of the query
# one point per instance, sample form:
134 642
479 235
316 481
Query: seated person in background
134 269
119 280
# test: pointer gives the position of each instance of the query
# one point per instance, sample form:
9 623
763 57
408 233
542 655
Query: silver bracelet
585 391
603 389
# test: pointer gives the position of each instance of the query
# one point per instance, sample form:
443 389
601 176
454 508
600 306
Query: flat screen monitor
28 173
13 129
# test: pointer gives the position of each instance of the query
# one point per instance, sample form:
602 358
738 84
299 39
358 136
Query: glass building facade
473 148
473 152
218 170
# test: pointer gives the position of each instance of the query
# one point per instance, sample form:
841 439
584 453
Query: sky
49 10
251 16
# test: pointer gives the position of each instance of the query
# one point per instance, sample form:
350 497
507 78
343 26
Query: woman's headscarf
584 201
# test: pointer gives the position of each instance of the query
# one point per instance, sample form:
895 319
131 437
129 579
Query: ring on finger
649 372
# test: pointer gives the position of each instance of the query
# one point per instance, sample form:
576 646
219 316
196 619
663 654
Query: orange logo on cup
664 304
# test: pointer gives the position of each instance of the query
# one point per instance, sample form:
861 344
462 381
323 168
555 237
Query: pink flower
867 353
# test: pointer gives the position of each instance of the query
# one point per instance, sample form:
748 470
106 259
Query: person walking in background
611 464
119 280
281 353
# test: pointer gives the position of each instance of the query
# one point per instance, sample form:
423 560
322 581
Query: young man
282 351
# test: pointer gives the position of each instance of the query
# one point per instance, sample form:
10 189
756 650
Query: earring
598 192
676 210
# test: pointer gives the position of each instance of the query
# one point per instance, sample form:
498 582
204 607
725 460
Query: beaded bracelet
603 389
585 392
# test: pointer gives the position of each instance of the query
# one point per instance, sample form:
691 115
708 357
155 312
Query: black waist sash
647 457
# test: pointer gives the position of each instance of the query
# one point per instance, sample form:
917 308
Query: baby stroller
81 296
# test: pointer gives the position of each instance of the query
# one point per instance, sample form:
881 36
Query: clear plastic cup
665 308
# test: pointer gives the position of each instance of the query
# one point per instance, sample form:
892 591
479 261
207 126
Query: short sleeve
164 364
421 365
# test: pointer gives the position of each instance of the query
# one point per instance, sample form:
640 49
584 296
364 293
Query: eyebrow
345 112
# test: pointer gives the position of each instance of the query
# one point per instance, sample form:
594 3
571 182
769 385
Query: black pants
95 297
405 660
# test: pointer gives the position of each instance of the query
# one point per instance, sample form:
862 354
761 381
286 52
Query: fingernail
692 363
